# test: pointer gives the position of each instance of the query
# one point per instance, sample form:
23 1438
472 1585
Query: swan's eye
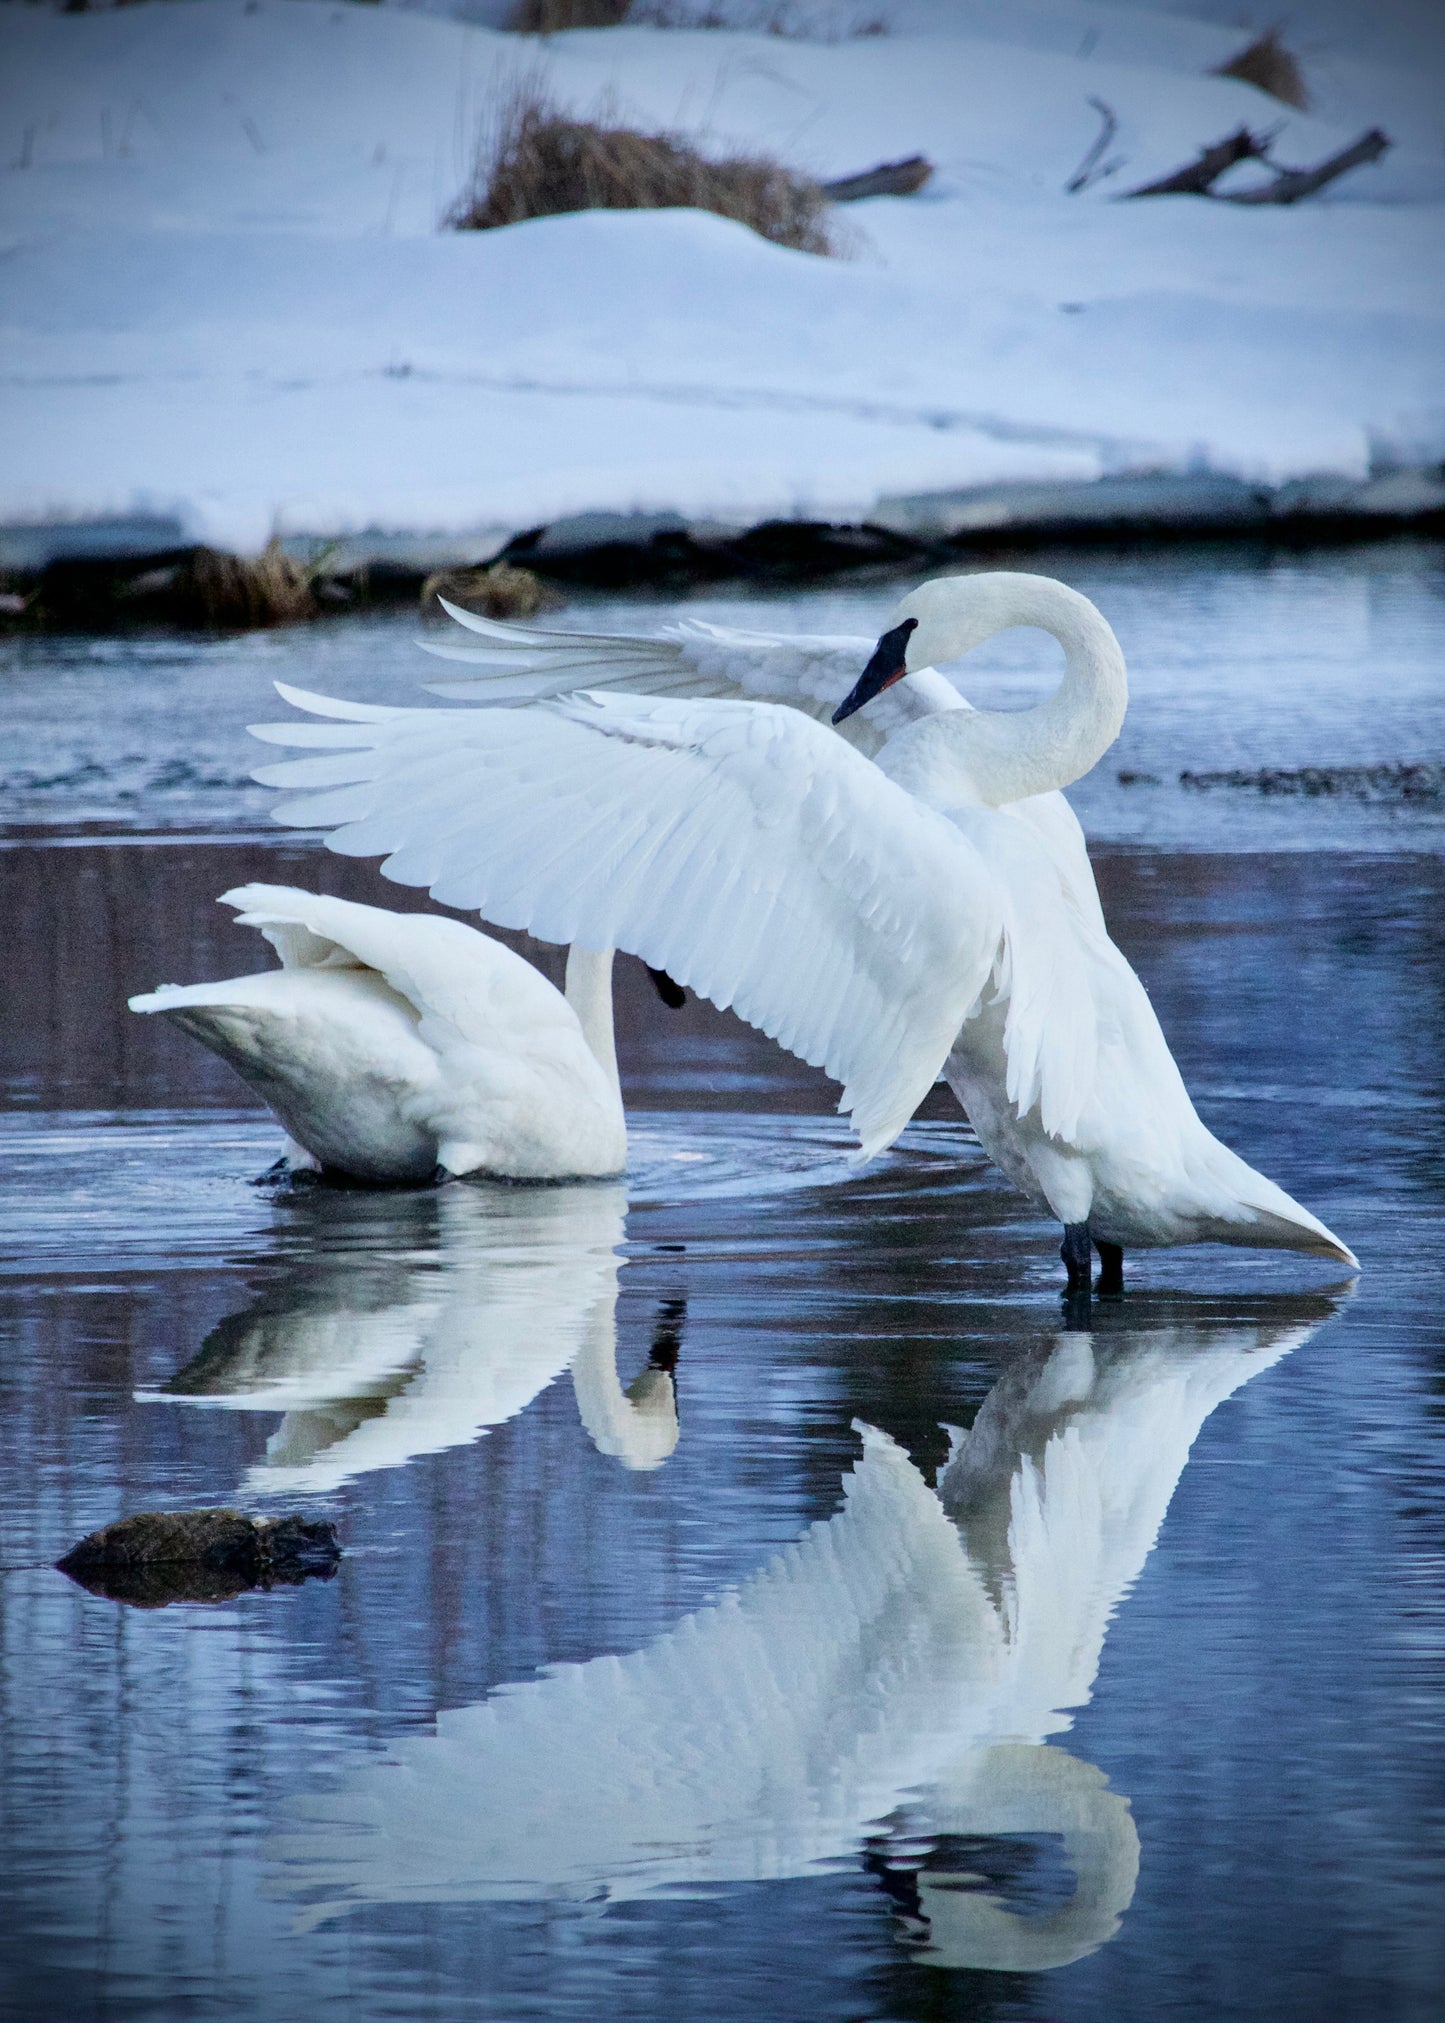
889 664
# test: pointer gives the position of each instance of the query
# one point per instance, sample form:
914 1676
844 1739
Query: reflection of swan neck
588 990
1021 1789
638 1426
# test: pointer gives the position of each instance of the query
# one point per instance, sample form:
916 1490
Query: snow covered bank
229 306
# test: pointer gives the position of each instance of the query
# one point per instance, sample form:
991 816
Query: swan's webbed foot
1111 1269
283 1177
1077 1252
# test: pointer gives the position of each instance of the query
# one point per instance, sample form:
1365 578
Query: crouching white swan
892 1678
463 1307
928 911
391 1044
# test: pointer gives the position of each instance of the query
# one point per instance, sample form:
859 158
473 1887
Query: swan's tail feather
306 929
1299 1231
170 997
239 1018
1262 1215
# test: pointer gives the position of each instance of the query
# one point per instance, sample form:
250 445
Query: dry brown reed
243 591
552 17
542 162
1269 67
499 591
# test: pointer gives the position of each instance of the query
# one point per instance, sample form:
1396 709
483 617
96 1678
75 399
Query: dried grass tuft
541 163
1269 67
240 592
500 591
766 17
552 17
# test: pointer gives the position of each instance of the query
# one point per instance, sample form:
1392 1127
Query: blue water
651 1684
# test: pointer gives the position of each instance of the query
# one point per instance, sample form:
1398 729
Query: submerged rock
166 1556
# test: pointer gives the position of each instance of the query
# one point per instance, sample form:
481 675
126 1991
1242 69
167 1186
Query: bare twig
1195 178
1089 170
889 179
1290 185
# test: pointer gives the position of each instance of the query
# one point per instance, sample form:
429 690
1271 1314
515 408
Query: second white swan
391 1045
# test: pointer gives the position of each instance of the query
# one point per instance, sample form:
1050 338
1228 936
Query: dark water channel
682 1662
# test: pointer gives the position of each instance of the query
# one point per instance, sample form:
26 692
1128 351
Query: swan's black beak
887 666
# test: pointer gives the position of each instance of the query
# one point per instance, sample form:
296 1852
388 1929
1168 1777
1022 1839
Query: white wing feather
1054 938
742 848
464 986
812 673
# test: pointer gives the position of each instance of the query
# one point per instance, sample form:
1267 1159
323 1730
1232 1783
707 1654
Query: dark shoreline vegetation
196 588
1393 782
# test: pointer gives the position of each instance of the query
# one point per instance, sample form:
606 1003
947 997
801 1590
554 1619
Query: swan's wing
462 984
744 849
1054 936
809 672
1057 827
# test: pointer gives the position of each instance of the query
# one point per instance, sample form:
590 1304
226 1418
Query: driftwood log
1290 185
889 179
1197 178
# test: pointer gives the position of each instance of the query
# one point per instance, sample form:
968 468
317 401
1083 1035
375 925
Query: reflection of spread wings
872 1678
376 1361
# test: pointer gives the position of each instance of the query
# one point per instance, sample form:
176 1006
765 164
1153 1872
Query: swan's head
950 615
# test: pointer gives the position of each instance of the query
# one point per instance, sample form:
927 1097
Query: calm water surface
686 1659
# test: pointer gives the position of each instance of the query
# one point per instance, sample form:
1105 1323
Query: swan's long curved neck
588 989
1009 755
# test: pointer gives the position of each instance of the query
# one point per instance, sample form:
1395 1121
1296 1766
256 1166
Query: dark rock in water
200 1556
1420 782
613 550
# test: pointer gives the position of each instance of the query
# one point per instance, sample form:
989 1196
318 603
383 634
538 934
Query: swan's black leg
1077 1253
1111 1268
1078 1311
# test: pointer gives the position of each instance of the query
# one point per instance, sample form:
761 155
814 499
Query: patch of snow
229 299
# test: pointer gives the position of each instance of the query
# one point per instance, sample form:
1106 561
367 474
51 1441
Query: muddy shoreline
126 574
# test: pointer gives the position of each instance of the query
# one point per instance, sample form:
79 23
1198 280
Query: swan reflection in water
886 1683
375 1359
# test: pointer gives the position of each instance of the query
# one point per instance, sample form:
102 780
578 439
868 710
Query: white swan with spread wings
928 910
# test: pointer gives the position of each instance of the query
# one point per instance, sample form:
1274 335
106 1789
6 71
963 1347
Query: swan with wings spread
909 899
